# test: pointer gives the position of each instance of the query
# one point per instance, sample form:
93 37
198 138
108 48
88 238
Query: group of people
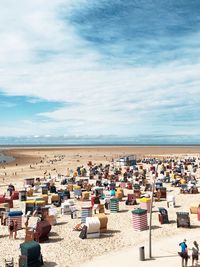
184 253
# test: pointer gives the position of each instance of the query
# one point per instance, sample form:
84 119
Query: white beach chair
170 201
73 212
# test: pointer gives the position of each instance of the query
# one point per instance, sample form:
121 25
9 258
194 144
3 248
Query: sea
101 140
6 159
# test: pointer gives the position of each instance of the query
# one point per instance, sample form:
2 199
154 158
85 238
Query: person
158 194
15 229
195 253
184 253
10 189
11 229
26 223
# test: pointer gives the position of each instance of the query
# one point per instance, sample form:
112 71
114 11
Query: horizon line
97 145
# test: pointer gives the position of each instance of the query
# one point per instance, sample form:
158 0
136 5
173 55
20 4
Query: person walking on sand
11 229
184 253
15 229
195 253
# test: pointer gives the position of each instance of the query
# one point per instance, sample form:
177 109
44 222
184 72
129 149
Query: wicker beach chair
183 219
163 216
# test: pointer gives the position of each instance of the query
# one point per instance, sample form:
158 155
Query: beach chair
158 185
85 196
93 227
73 211
139 219
131 200
193 209
112 186
148 187
163 191
30 192
163 216
170 200
9 263
157 195
119 194
15 216
136 186
99 208
194 190
103 222
22 195
30 254
29 235
55 199
70 187
42 231
77 191
184 189
44 190
53 189
137 193
183 219
129 186
98 183
95 200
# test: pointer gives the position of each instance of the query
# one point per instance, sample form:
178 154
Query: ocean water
4 158
99 140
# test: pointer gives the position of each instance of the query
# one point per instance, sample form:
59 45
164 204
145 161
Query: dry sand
64 247
74 156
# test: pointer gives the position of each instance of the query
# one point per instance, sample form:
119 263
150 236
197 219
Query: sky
100 68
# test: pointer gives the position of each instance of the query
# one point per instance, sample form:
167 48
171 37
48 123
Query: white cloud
104 100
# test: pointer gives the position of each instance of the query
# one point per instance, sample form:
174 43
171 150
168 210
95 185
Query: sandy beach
64 247
74 156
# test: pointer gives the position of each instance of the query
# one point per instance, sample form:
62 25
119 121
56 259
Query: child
15 229
11 229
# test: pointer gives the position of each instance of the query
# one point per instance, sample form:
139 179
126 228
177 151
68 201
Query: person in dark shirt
11 229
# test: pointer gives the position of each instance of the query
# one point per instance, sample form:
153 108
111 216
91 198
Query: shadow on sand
194 226
61 223
162 256
50 264
54 240
154 227
53 234
122 211
172 221
109 233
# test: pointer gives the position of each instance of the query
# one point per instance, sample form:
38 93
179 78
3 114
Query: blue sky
96 67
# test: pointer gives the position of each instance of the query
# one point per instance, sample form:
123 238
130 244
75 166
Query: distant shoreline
32 154
31 146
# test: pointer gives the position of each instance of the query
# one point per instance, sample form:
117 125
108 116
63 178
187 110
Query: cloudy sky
99 67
